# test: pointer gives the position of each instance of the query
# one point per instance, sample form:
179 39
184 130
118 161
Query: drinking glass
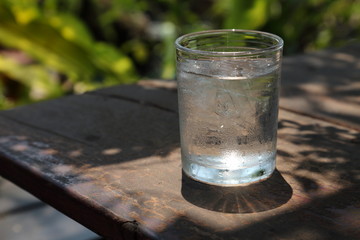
228 92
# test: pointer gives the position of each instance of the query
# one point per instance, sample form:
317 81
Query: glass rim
275 47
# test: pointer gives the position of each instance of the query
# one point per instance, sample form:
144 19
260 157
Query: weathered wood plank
156 93
111 131
113 164
324 84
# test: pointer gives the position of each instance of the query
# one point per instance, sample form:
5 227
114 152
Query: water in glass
228 119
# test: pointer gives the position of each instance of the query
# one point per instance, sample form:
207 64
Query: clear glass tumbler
228 89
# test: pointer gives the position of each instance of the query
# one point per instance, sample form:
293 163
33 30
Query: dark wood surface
110 160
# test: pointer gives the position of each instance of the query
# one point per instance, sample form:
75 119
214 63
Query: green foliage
304 25
61 44
243 14
78 45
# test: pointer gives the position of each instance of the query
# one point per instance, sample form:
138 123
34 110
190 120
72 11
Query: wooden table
110 160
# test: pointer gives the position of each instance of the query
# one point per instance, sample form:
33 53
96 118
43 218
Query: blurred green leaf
63 43
243 14
53 50
117 65
41 82
71 29
24 11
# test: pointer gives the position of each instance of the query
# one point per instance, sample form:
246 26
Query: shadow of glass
257 197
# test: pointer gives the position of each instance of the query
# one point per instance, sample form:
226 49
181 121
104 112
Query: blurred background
50 48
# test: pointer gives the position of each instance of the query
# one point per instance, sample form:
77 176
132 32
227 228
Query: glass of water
228 90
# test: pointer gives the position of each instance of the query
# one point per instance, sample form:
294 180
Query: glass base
229 177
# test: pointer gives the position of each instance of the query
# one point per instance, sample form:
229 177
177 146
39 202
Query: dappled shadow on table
332 217
257 197
324 84
321 163
325 150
